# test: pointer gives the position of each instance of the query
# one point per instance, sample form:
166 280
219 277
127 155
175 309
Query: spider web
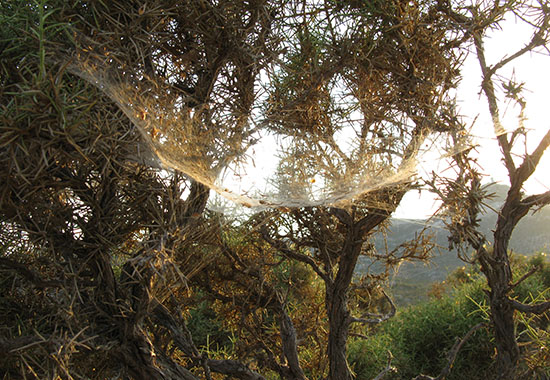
330 149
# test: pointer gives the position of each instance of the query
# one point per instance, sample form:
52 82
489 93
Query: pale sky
531 69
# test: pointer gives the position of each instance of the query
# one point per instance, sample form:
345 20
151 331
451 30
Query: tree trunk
337 308
142 361
502 317
339 323
496 267
502 313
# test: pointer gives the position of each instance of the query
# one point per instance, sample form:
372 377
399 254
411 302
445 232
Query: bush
424 334
206 329
420 337
368 357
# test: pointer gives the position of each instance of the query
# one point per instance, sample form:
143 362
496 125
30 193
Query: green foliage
541 262
424 334
417 338
420 336
533 331
206 329
368 357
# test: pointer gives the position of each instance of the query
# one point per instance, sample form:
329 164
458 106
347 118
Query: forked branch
538 308
282 247
386 370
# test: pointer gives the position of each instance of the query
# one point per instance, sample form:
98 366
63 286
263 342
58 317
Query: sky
472 105
532 69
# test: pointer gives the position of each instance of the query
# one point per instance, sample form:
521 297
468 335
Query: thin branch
386 370
536 40
357 335
29 274
523 278
8 346
489 90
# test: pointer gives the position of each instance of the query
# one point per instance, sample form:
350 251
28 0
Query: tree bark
502 314
290 349
339 323
496 267
337 307
337 274
502 317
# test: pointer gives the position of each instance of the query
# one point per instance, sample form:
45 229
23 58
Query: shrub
368 357
420 337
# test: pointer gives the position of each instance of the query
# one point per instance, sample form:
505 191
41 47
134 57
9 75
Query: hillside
414 280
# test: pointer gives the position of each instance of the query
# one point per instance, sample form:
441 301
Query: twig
523 278
386 370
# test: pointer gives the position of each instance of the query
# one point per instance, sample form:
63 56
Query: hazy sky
531 69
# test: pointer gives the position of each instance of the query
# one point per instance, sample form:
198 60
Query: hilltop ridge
413 280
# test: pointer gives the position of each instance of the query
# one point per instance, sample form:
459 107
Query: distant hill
413 280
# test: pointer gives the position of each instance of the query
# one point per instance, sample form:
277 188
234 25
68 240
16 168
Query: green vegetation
420 336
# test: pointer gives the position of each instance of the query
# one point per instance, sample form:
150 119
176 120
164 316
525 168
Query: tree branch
8 346
183 340
14 345
372 220
536 40
523 278
538 308
29 274
489 90
377 318
532 160
342 215
288 339
234 369
386 370
285 250
537 200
